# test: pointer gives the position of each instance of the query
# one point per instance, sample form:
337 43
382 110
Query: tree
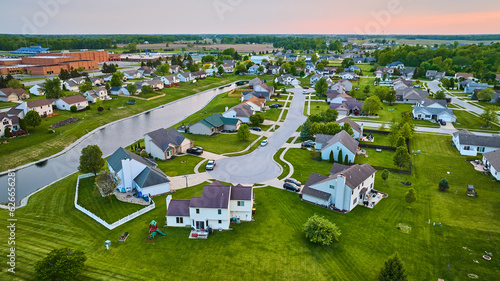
321 231
52 88
256 119
60 264
33 119
64 74
346 63
85 86
132 88
346 159
220 70
489 115
107 183
332 129
163 68
14 84
443 185
348 129
385 175
91 160
318 128
440 95
406 131
401 141
390 96
321 87
410 197
393 270
314 58
401 158
243 133
194 67
332 158
372 105
483 95
7 132
305 131
117 79
132 46
240 68
340 158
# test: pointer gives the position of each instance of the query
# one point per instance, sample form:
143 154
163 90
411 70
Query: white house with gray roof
471 144
241 111
164 144
433 113
344 189
341 142
137 173
218 205
491 160
356 128
410 95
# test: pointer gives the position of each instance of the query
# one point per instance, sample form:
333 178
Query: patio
372 198
130 198
479 166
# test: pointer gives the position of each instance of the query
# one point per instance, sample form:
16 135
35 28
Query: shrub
87 107
144 154
7 132
321 231
73 108
60 264
100 109
443 185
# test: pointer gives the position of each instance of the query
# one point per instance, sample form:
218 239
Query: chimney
169 197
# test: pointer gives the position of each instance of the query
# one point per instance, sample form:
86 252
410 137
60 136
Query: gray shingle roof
354 175
468 138
115 160
313 179
239 192
178 208
337 168
215 195
150 176
433 110
353 124
163 138
428 102
412 93
343 137
494 158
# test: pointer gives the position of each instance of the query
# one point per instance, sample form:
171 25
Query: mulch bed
64 123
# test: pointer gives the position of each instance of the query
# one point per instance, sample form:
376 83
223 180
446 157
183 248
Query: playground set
471 191
153 231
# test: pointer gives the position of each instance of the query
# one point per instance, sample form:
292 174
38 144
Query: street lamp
186 177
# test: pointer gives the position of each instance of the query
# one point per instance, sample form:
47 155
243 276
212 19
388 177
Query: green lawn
181 165
273 247
283 116
290 140
110 211
316 107
387 115
272 114
286 167
376 158
304 165
465 120
230 143
40 144
379 139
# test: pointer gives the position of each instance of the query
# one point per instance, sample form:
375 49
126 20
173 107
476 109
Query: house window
466 147
241 203
332 187
219 212
371 186
480 149
6 121
220 221
179 220
197 211
338 148
352 192
354 201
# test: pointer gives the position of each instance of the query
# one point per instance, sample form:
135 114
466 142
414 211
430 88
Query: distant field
431 41
242 48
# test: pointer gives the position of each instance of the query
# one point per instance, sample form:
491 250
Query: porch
371 198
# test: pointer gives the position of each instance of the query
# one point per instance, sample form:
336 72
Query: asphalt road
259 166
434 86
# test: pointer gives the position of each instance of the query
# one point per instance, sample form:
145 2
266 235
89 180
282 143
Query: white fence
101 221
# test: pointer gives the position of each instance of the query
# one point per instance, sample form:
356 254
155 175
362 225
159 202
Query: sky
249 17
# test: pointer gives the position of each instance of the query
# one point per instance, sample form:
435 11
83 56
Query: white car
210 165
263 143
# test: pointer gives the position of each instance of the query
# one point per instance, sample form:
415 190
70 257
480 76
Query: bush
60 264
87 107
7 132
100 109
321 231
144 154
443 185
73 108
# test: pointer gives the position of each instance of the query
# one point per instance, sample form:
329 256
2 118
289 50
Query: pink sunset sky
250 17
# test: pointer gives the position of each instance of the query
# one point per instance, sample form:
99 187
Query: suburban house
156 83
254 69
119 91
254 82
42 106
287 79
96 81
396 64
228 68
241 111
137 173
434 75
214 124
175 68
257 104
356 128
348 75
36 90
471 144
463 75
273 69
337 97
341 143
315 78
344 189
164 144
402 84
97 94
349 107
432 103
231 63
358 60
170 80
470 87
379 73
410 95
353 68
146 70
72 84
346 83
198 75
433 113
6 121
65 103
217 206
262 90
132 74
184 77
13 95
407 73
491 161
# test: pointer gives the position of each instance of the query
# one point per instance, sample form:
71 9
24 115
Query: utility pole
186 177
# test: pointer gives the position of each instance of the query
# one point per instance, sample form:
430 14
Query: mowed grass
304 165
465 120
272 114
221 143
316 107
273 247
284 166
40 144
379 139
376 158
181 165
108 210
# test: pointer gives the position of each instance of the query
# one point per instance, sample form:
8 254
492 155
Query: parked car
306 88
194 151
210 165
294 181
264 143
279 105
257 129
274 105
291 186
307 144
199 148
442 122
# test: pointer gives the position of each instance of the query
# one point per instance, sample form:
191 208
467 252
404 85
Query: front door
200 225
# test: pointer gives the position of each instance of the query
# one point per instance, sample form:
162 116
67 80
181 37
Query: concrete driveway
259 166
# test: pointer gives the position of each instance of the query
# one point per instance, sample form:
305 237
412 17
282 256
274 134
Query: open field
23 150
240 48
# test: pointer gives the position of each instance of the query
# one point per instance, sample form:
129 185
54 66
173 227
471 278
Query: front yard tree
321 231
410 197
85 86
401 157
440 95
321 87
256 119
52 88
348 129
443 185
60 264
393 270
132 88
243 133
483 95
91 160
347 62
117 79
385 175
33 119
488 116
305 131
107 183
372 105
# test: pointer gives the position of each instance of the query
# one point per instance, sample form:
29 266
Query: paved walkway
192 179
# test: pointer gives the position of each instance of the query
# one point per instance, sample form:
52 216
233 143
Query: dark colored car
306 88
307 144
274 105
290 186
194 151
257 129
294 181
443 123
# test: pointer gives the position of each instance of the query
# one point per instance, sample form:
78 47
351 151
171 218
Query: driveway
435 87
259 166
